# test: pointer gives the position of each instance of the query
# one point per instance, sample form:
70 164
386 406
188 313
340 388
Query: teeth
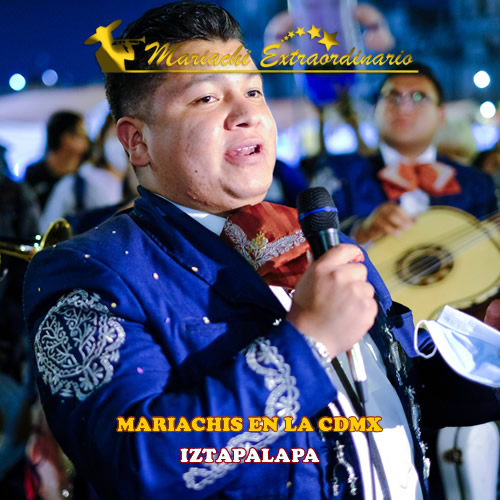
247 150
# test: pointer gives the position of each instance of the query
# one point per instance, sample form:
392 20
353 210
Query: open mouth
246 150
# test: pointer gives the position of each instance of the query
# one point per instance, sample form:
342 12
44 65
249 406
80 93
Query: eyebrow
203 77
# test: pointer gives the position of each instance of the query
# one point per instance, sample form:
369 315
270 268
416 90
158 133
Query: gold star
286 38
300 31
314 32
328 39
291 34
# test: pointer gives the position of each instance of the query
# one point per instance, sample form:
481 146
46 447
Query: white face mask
115 154
468 345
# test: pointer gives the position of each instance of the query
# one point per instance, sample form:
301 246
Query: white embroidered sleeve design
76 344
259 250
283 400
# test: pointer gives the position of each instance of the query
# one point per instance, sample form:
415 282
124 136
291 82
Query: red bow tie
437 179
270 239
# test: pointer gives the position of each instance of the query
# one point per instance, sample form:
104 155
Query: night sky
40 35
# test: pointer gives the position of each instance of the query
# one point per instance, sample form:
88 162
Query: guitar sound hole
424 265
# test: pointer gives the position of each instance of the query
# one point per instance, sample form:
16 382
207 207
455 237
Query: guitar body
447 257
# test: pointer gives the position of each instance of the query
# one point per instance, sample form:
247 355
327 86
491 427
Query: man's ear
129 132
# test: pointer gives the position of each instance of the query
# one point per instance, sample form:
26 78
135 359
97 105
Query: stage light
340 139
16 170
17 82
50 77
482 79
486 135
487 109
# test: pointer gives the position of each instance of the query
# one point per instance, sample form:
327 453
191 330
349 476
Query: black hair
423 70
172 23
60 123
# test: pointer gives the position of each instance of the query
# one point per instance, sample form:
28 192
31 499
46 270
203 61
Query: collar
393 157
202 252
209 258
212 222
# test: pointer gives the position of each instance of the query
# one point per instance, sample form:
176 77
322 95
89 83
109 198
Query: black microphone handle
321 241
318 218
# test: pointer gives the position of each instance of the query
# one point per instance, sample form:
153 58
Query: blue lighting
50 77
486 136
17 82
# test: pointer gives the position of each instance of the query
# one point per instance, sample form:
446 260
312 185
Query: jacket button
289 484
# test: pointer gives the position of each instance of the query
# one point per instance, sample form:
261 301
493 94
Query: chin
257 197
253 194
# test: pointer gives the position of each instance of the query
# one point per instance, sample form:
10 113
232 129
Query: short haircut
423 70
172 23
60 123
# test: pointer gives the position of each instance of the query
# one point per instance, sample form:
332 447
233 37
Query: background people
384 193
99 182
372 193
67 143
19 213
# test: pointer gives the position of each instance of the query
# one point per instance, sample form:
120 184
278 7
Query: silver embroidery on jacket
415 422
76 344
259 250
396 356
349 469
283 400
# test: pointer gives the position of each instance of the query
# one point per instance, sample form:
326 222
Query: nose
243 113
406 105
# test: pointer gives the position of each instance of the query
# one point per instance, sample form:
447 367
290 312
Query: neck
62 162
412 152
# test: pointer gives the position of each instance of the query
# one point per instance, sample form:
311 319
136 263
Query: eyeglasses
415 98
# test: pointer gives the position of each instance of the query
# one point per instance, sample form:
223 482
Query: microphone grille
317 211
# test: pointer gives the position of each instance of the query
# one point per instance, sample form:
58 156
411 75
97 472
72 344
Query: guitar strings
449 237
395 283
455 242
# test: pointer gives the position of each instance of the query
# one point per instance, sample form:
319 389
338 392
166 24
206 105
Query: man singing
154 314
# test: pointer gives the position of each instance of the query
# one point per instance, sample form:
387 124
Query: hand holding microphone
333 302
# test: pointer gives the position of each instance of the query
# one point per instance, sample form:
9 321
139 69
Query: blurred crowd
84 182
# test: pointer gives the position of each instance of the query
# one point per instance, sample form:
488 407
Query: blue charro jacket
353 183
151 314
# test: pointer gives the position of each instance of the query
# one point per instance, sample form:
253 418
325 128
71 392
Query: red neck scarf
270 239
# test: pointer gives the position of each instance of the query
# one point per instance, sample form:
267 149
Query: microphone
319 220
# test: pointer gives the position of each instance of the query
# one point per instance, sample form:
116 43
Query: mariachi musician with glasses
370 192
